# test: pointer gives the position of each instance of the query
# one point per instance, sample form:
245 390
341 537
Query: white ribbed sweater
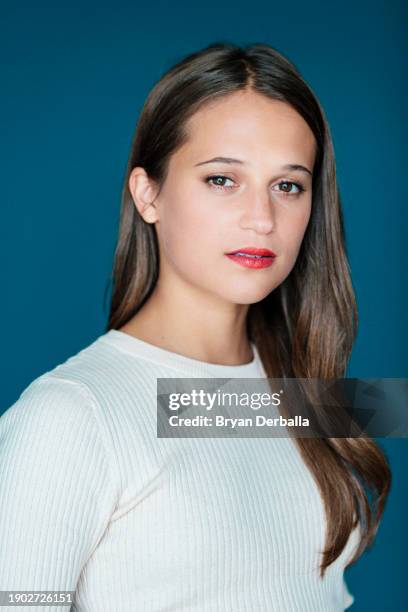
92 501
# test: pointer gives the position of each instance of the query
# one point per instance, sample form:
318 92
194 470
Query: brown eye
288 188
218 180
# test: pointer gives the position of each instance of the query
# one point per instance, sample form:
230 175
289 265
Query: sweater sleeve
57 490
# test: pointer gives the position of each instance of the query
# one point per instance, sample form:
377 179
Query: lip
254 251
264 260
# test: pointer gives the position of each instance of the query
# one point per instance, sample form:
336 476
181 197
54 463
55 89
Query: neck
196 326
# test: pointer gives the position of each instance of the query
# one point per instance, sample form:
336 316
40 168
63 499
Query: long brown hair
306 327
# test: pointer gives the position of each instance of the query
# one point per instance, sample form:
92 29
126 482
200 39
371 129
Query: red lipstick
252 257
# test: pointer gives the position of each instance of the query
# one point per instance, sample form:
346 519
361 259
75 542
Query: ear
142 190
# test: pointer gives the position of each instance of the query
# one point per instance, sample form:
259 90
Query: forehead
249 125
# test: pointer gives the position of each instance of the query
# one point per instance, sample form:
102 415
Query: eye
218 181
287 191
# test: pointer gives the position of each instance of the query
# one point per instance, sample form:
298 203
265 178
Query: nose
258 213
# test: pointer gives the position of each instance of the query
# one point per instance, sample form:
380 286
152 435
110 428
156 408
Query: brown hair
306 327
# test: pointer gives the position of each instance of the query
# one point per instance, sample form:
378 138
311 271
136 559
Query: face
207 209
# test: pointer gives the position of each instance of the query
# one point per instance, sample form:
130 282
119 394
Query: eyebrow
231 160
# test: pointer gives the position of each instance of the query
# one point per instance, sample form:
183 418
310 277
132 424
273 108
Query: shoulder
87 381
104 367
51 399
51 417
88 399
51 440
56 419
114 380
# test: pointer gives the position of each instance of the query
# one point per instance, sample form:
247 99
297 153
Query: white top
91 500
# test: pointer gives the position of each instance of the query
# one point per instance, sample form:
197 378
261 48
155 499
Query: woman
230 263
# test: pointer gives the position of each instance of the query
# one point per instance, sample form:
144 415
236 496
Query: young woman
232 154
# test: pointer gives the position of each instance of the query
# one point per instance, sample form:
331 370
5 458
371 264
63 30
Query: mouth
252 257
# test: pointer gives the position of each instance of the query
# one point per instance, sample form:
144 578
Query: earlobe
142 192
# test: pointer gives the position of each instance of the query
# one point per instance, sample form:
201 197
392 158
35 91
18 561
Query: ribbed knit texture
91 500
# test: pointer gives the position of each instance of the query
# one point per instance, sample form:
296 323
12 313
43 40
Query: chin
245 295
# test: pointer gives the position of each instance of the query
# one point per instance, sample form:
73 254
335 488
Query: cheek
293 229
189 228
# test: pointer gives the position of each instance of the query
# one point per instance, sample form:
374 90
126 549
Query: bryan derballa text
221 421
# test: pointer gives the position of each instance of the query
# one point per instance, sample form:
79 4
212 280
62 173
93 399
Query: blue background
75 78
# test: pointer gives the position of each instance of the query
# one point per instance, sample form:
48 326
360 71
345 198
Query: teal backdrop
75 76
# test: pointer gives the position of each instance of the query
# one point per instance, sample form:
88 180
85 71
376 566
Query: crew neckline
152 352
